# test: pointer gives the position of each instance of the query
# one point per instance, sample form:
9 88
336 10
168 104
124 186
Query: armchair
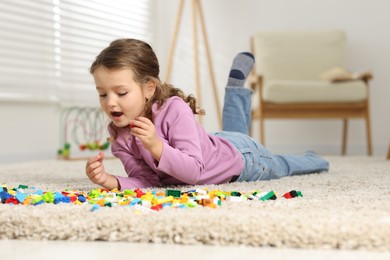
288 84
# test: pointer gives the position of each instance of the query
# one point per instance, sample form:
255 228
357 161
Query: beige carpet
347 208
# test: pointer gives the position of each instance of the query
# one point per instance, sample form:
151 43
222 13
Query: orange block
27 201
100 202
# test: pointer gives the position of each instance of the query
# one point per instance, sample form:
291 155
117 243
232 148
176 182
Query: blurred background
47 46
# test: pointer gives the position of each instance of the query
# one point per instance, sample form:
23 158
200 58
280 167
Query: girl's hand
95 170
97 174
145 130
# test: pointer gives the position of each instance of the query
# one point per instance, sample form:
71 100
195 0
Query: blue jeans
260 163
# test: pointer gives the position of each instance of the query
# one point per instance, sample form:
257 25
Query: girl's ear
150 88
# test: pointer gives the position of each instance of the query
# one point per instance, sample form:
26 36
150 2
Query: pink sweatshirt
189 155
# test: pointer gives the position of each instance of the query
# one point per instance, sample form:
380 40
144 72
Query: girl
157 138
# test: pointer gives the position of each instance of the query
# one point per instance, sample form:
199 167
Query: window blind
47 46
26 48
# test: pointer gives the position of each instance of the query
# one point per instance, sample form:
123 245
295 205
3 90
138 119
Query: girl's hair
141 59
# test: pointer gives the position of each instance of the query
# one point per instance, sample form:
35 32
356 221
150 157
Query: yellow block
165 200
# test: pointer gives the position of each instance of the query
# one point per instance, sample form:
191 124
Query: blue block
95 207
81 198
58 195
39 202
62 199
20 197
135 201
39 192
4 196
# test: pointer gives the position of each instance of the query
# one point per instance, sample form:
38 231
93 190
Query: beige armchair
293 79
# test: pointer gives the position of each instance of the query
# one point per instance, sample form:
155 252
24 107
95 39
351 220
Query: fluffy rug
346 208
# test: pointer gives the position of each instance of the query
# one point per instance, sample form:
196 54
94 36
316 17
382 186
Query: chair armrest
256 84
252 80
367 76
255 81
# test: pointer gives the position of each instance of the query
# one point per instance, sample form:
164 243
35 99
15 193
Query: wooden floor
42 250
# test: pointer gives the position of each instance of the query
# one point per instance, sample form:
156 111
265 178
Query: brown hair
140 57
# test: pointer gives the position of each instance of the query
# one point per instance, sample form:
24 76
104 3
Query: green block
48 197
254 193
129 192
94 194
190 204
269 196
173 193
36 199
221 195
21 186
235 194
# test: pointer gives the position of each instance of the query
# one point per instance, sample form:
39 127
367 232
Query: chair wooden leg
262 141
388 153
344 138
368 130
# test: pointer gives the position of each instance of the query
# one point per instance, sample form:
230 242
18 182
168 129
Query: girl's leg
309 162
236 114
261 164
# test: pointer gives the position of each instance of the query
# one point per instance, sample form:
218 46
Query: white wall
231 23
31 130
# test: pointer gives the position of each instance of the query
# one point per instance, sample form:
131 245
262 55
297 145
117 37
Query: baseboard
378 150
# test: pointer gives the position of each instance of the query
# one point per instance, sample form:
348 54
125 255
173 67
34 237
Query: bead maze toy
82 129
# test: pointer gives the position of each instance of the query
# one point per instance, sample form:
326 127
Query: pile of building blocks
142 200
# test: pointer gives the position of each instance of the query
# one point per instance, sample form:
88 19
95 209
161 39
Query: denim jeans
260 163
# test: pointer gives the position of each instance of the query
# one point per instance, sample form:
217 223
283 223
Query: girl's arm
181 155
139 173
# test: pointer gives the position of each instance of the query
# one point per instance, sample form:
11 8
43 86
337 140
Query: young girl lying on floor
156 136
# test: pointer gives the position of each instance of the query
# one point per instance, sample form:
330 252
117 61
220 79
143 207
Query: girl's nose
111 101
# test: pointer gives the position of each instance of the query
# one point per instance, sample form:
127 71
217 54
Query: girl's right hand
95 170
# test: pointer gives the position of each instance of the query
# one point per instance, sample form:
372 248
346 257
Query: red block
12 201
139 192
157 207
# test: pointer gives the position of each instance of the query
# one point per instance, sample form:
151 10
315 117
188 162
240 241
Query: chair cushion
336 74
298 54
286 91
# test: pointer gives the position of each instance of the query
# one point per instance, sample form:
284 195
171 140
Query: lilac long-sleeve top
190 155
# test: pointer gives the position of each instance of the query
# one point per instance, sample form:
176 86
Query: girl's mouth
116 115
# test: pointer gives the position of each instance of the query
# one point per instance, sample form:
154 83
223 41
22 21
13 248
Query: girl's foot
242 65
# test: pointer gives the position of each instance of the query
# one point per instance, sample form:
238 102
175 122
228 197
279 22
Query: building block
173 193
269 196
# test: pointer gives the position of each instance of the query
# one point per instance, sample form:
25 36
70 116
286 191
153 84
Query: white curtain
47 46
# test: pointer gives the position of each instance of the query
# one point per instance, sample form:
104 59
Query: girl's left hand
145 130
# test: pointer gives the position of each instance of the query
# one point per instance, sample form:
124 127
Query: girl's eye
102 95
122 94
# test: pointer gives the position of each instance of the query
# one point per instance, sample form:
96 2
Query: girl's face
121 98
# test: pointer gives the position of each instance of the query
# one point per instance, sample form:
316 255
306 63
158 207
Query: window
47 46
